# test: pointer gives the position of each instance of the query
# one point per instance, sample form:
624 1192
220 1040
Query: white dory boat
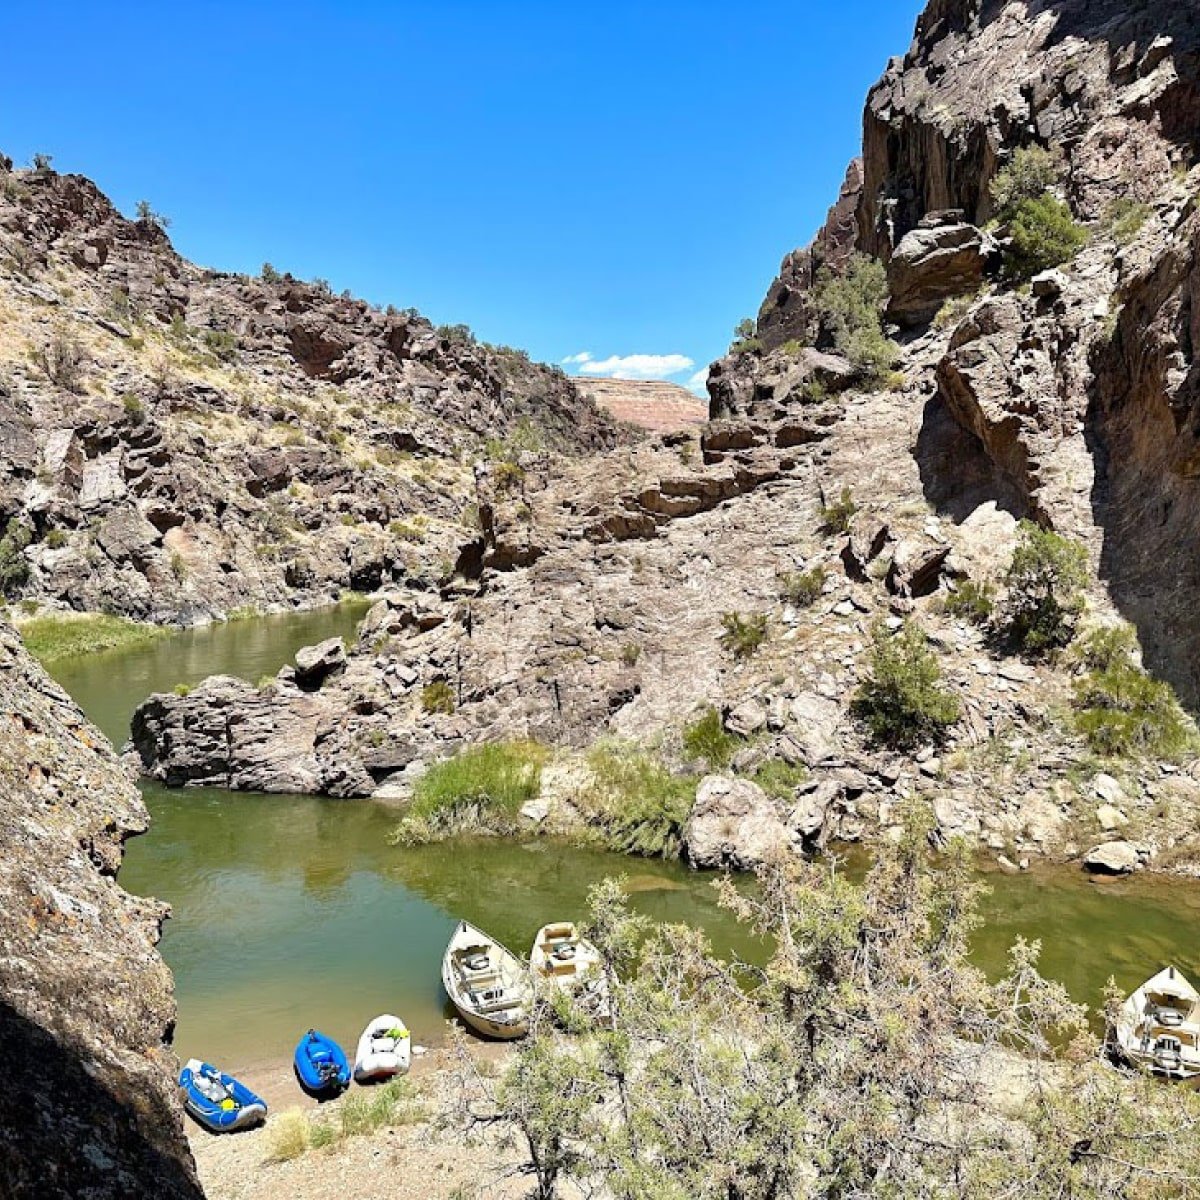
1158 1027
562 959
487 984
384 1050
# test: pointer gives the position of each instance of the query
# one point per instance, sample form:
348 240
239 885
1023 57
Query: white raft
384 1050
1158 1028
486 983
561 959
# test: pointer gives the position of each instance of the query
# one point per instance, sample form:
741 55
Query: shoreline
420 1160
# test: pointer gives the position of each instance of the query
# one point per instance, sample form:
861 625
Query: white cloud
631 366
698 382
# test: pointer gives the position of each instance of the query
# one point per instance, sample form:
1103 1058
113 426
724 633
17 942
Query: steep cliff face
88 1107
1113 84
180 442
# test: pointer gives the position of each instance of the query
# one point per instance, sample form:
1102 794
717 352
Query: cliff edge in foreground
87 1106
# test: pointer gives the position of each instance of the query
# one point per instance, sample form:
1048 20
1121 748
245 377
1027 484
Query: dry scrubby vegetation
868 1058
360 1112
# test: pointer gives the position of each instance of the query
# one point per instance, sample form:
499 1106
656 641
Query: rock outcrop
88 1106
179 442
942 258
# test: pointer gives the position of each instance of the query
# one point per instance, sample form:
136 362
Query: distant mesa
653 405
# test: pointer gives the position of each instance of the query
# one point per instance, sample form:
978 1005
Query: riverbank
418 1160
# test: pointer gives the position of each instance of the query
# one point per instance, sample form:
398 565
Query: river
291 911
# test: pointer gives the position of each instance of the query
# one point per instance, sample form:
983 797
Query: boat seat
495 1000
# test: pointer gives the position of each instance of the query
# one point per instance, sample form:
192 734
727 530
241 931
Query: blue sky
606 179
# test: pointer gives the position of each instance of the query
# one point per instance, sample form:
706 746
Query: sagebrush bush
802 589
838 514
780 779
437 697
902 701
1045 590
62 359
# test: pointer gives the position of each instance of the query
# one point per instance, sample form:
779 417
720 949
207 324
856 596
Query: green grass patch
634 803
779 779
51 638
480 790
707 738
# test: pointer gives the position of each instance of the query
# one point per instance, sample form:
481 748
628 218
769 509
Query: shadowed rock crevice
66 1135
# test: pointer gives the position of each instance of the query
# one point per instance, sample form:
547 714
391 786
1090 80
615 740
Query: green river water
291 912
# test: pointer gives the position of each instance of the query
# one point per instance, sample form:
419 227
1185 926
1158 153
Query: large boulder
314 664
732 824
943 257
1112 858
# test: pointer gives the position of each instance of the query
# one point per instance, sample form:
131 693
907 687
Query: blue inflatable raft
321 1064
218 1101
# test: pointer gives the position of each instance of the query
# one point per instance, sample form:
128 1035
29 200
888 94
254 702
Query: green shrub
971 601
14 569
179 567
147 216
1105 647
802 589
508 475
707 738
1121 710
457 335
1030 173
437 697
55 539
268 274
1045 590
630 653
1043 234
849 307
222 343
135 410
902 701
742 636
635 804
838 516
480 790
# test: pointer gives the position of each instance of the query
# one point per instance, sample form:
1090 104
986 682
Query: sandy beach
428 1160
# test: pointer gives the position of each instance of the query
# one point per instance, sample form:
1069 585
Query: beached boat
321 1064
1158 1028
486 983
218 1101
561 958
384 1050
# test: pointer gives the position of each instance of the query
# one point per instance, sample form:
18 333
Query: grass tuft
480 790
